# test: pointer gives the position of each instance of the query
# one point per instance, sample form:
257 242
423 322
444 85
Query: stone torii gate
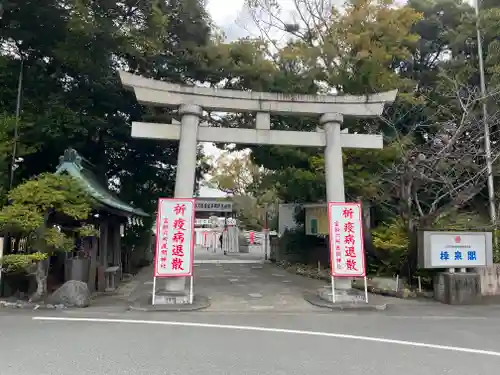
192 100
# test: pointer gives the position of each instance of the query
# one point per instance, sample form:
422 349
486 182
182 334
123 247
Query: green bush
391 239
21 263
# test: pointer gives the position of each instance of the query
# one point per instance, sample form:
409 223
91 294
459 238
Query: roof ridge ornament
71 156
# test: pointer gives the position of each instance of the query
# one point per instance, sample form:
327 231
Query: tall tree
355 51
72 95
250 187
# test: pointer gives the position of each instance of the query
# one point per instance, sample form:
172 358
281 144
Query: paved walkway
236 282
250 287
255 255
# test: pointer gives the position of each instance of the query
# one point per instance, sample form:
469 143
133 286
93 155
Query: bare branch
441 164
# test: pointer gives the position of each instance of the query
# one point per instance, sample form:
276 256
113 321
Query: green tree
35 210
234 173
250 187
72 96
356 51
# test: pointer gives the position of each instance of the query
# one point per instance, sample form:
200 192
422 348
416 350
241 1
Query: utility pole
16 126
266 234
487 140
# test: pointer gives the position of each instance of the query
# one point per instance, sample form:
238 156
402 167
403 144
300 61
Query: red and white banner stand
175 241
347 253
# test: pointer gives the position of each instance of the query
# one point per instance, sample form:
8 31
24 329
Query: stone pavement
238 283
255 255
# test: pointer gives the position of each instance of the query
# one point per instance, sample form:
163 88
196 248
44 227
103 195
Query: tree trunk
41 282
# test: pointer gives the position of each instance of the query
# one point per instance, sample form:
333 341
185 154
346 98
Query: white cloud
223 11
233 17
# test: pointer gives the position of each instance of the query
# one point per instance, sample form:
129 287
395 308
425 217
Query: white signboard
202 222
213 206
347 255
456 249
216 221
174 238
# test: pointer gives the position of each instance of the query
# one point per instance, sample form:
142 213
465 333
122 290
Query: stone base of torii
191 101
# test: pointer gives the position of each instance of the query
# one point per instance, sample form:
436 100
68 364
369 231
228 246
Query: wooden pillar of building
103 256
93 251
117 243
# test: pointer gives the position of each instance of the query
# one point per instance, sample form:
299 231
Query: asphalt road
220 343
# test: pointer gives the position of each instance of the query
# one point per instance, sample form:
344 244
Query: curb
316 300
199 303
386 293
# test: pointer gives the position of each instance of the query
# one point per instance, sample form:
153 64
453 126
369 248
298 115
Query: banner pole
191 289
366 289
333 289
154 290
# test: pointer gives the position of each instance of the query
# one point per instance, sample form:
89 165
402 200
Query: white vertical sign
347 256
174 237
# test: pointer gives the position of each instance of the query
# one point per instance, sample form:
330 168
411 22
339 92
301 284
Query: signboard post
174 240
347 253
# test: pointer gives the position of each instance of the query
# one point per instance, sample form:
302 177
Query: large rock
71 293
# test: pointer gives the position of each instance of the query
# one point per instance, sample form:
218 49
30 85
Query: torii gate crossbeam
191 101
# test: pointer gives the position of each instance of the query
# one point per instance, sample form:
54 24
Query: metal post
154 291
366 289
191 290
333 289
487 140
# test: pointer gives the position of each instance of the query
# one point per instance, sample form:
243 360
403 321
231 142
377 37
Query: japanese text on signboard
175 238
448 249
346 239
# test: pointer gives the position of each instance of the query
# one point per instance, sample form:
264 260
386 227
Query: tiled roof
74 165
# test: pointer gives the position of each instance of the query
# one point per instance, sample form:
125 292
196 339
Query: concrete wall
490 280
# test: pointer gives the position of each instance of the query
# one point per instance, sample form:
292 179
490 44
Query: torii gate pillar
191 100
185 172
334 171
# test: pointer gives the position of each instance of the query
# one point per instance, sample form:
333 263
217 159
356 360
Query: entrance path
238 282
246 282
252 287
254 255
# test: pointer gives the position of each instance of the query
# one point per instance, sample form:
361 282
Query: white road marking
274 330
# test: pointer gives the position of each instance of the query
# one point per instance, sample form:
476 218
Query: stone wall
490 280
